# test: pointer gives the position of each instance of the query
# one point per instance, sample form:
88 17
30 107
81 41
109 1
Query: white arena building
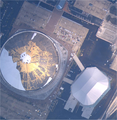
90 86
87 90
32 64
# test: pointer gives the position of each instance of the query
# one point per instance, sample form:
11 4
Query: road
111 108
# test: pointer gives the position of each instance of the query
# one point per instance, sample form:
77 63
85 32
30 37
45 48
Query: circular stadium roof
90 86
29 60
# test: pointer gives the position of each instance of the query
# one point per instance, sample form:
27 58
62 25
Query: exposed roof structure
32 64
29 60
90 86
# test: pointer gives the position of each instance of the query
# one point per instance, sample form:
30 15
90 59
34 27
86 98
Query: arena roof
90 86
29 60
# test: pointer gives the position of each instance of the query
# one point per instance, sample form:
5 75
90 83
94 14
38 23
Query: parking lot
70 32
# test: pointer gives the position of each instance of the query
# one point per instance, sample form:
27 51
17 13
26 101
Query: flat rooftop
70 32
33 16
87 111
108 30
71 103
96 8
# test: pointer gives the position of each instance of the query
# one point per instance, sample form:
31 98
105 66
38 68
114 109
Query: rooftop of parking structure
96 8
70 32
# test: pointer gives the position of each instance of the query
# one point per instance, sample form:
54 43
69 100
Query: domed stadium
31 64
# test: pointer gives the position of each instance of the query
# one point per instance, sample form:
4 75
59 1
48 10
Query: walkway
80 65
67 80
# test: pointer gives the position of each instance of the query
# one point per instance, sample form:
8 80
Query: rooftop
96 8
70 32
30 15
108 29
90 86
29 60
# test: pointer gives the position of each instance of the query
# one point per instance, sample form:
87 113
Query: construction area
96 8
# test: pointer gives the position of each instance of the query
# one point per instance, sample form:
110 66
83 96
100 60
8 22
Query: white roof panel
89 86
9 71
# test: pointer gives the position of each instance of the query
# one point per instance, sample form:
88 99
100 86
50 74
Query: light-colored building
88 89
90 86
71 32
107 32
97 8
33 16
